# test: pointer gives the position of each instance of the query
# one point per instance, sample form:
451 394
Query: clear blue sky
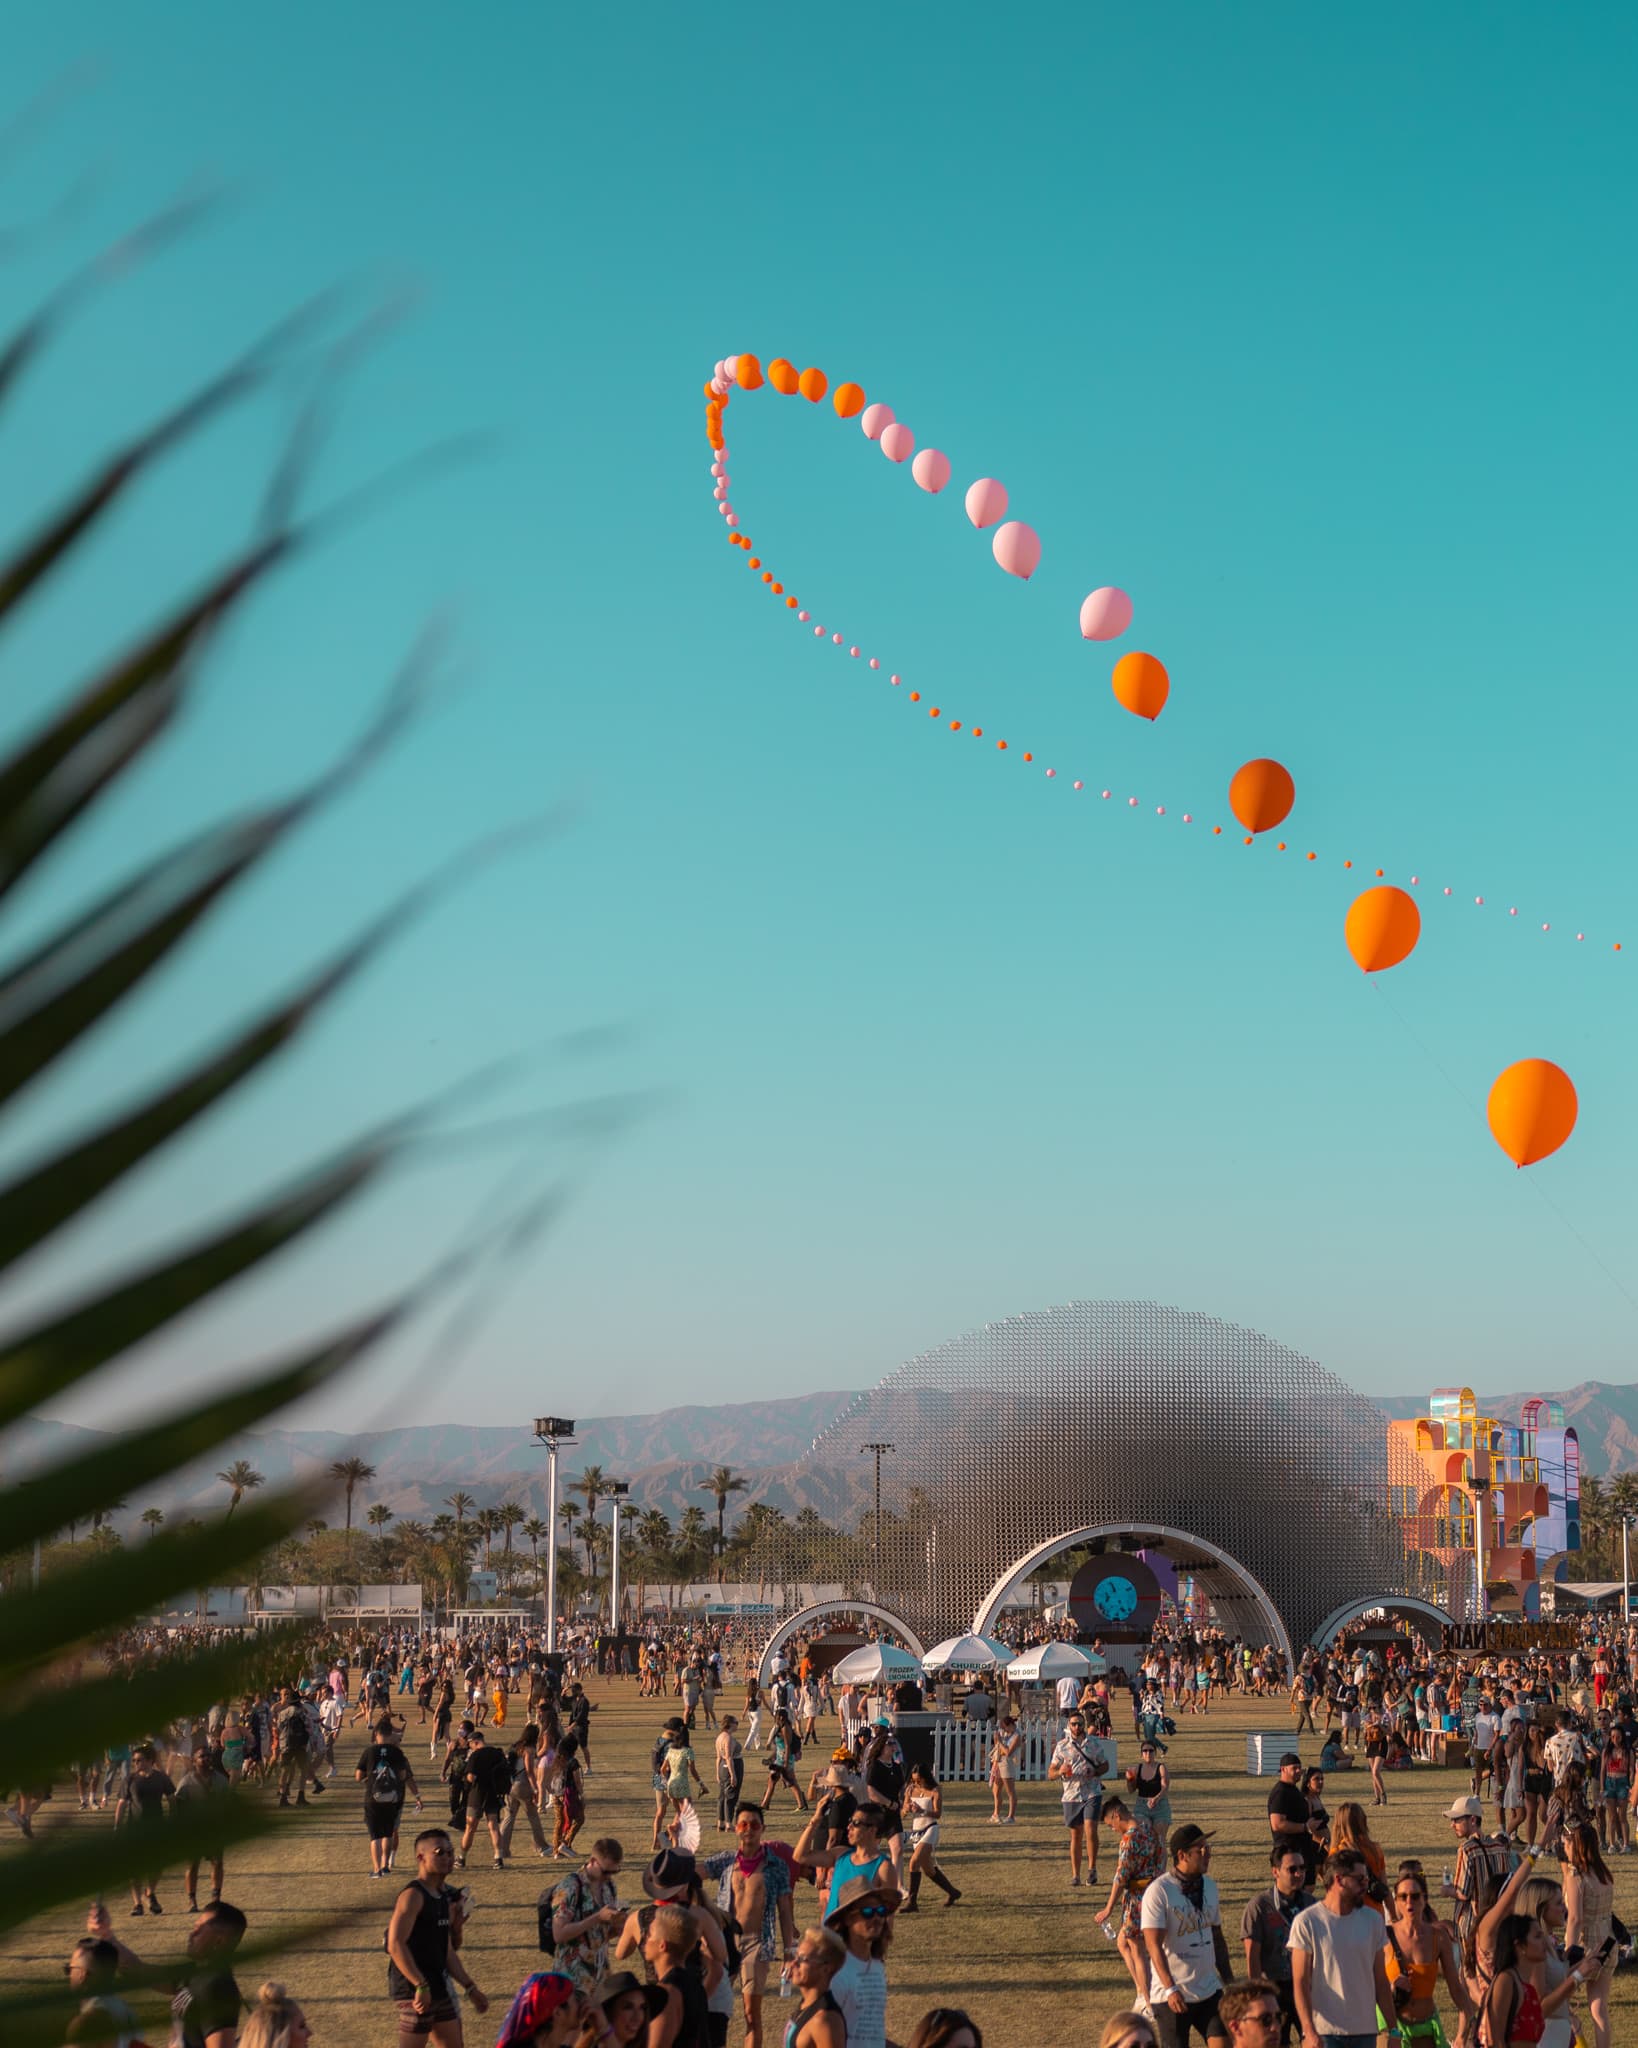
1312 331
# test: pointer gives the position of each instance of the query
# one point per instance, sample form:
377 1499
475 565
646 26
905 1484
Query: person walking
384 1772
1589 1898
488 1776
1182 1930
1265 1927
422 1964
862 1914
1339 1971
729 1756
1074 1764
924 1810
817 2021
1004 1747
1138 1863
1421 1948
150 1792
203 1785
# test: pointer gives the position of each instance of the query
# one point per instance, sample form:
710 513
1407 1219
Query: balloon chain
1105 614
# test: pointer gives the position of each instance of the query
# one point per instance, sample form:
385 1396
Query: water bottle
1110 1931
785 1986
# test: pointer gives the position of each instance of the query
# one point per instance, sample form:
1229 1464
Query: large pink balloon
1017 548
730 369
986 501
876 419
931 469
717 469
897 441
1106 614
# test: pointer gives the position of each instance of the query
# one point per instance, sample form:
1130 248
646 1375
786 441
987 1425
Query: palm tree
106 1514
536 1530
592 1486
460 1502
693 1542
243 1477
352 1472
487 1523
569 1515
153 1517
508 1515
723 1481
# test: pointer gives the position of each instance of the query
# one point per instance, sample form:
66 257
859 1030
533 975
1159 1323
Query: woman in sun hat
618 2011
862 1914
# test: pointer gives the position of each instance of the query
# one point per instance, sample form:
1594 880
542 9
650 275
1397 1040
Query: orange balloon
1532 1110
813 384
848 399
1261 795
711 390
782 376
748 372
1141 685
1382 928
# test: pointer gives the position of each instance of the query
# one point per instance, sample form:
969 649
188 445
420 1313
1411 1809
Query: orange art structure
1466 1487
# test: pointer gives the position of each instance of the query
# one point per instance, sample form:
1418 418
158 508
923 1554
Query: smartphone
1606 1948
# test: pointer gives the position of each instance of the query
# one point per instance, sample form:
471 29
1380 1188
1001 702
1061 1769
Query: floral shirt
583 1957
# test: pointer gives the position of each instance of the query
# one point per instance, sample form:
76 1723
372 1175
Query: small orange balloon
1381 928
790 604
848 399
779 590
978 734
1001 746
711 390
748 373
782 376
813 384
1532 1110
1261 795
1141 685
1029 757
915 696
767 575
756 561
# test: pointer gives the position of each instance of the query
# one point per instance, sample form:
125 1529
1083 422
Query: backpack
545 1911
382 1789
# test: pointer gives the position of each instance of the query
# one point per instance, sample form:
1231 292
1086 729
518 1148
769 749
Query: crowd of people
1341 1946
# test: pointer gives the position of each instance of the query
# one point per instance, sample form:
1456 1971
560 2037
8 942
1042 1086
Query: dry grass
1021 1951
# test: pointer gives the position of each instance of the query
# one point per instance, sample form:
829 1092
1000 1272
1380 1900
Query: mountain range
665 1457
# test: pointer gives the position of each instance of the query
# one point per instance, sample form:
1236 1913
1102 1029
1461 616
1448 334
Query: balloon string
1374 982
718 393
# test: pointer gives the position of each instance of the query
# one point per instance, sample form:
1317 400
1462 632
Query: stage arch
1429 1621
1243 1605
803 1622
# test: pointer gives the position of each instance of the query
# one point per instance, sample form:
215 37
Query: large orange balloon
748 373
1532 1110
1382 928
848 399
813 385
782 376
1141 685
1261 795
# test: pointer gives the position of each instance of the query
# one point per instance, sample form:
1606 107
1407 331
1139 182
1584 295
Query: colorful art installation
1532 1105
1494 1507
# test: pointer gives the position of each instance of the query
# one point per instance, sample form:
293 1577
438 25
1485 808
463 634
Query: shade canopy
877 1664
967 1653
1043 1662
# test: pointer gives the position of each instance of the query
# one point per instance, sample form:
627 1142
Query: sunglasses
873 1912
1265 2016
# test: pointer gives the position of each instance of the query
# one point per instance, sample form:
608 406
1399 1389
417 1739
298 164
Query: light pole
1626 1573
552 1430
618 1490
877 1451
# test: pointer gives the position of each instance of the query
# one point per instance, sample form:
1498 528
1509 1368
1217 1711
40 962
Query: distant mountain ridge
666 1456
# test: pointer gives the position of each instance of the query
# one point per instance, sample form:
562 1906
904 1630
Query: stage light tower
552 1430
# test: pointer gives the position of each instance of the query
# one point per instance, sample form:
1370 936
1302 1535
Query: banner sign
1472 1638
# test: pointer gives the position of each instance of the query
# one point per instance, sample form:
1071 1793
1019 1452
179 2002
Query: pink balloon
733 517
894 679
874 663
897 441
931 469
986 501
1017 548
730 369
717 469
719 494
720 386
805 616
875 419
854 652
818 632
1106 614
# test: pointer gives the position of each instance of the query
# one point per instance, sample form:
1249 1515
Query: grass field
1020 1952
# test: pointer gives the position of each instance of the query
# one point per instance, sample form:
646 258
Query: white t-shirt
1186 1934
860 1989
1069 1691
1344 1946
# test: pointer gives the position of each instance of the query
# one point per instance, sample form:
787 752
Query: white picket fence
961 1751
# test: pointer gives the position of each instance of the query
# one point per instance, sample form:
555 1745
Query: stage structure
1466 1487
1152 1439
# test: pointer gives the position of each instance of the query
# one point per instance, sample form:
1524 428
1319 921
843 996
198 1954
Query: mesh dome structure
1146 1424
